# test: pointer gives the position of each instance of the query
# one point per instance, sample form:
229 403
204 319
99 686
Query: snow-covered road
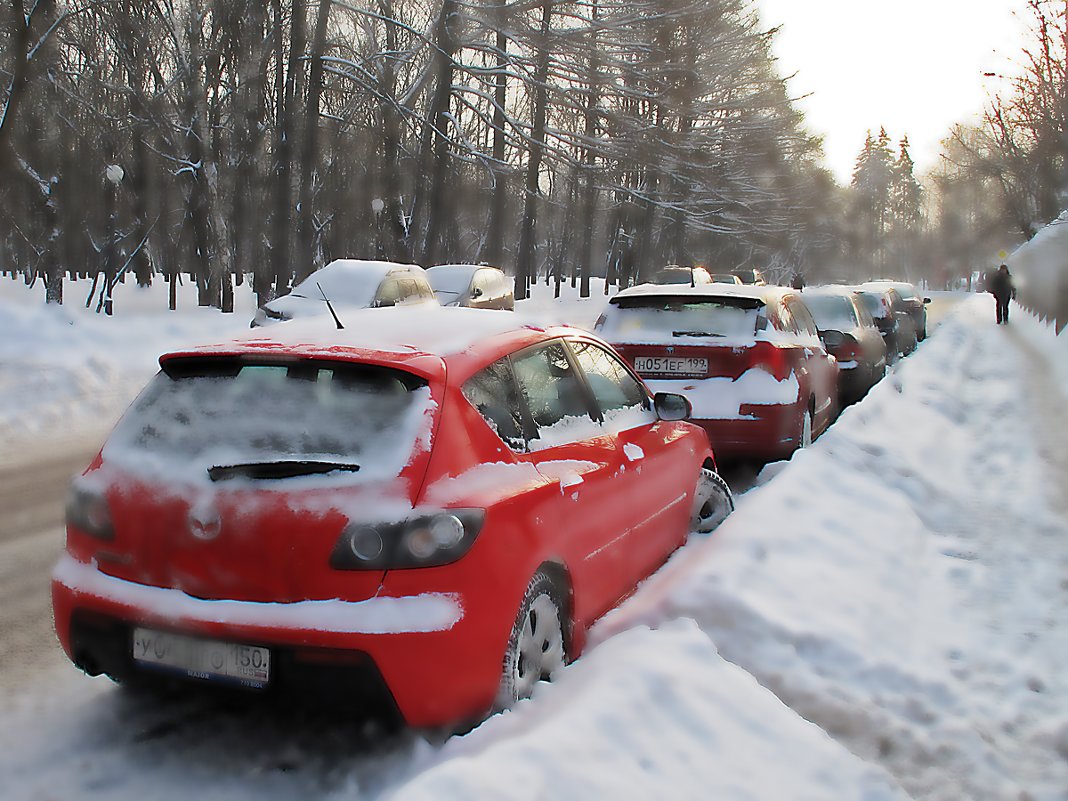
884 618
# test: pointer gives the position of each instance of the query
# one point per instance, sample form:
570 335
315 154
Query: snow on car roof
763 293
406 331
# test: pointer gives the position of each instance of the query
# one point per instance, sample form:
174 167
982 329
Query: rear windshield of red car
642 318
834 312
224 416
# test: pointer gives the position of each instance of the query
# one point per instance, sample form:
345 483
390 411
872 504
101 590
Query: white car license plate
249 665
670 365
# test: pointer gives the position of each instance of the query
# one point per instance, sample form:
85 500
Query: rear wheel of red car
712 501
536 647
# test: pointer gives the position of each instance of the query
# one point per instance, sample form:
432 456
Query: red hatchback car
748 358
430 506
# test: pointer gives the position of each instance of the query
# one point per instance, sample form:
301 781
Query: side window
493 393
805 323
388 293
863 315
612 386
425 291
552 390
409 290
485 281
786 320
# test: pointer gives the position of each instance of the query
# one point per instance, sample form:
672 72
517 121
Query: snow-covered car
350 284
892 317
428 508
748 358
910 296
477 286
850 335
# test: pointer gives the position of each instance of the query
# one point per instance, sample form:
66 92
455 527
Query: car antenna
329 306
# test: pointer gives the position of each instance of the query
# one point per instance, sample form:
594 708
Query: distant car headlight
87 510
428 540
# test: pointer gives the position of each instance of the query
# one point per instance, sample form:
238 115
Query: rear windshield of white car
223 418
653 319
831 311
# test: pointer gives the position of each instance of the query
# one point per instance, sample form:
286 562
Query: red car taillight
87 510
424 541
844 347
769 358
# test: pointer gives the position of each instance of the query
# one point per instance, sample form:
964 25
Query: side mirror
832 338
670 406
926 300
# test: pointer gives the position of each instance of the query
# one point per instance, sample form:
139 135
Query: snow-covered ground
884 617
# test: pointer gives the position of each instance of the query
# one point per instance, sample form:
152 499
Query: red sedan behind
748 358
395 510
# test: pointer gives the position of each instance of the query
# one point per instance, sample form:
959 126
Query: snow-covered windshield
831 311
348 286
638 319
448 281
224 413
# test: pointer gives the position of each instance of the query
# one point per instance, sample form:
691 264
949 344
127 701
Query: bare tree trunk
525 264
494 247
307 257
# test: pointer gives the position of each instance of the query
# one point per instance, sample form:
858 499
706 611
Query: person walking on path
1001 287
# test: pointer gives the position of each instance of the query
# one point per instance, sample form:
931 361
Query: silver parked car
478 286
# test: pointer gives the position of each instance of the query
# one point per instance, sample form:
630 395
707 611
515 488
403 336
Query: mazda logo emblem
204 521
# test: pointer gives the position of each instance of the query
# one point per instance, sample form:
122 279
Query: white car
350 283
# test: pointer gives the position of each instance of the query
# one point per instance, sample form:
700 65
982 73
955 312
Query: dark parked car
474 285
892 318
726 278
350 284
916 305
850 335
676 274
750 275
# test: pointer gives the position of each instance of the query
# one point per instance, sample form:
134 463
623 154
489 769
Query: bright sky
914 66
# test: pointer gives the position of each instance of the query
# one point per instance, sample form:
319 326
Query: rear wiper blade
288 468
694 334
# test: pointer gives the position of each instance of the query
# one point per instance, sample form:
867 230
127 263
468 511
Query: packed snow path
885 617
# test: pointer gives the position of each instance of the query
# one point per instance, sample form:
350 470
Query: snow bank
1041 271
901 583
649 715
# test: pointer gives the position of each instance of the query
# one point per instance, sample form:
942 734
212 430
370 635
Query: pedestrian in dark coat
1001 287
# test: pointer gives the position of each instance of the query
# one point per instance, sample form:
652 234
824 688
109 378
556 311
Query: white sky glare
913 66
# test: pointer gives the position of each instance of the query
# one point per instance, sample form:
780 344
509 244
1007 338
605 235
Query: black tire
713 501
537 646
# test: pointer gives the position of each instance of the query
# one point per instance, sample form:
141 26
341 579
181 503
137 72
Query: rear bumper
434 663
854 382
766 433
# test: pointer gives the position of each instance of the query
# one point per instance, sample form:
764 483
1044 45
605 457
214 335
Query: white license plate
248 665
670 365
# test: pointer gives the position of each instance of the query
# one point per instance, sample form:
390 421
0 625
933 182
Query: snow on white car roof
350 281
762 293
434 331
